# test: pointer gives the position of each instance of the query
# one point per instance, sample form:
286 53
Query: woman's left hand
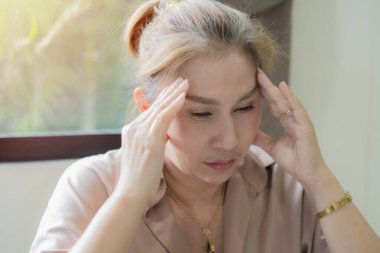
297 151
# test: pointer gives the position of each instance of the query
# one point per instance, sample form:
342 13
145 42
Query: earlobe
138 95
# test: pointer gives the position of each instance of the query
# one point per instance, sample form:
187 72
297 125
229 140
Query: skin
220 126
169 137
219 121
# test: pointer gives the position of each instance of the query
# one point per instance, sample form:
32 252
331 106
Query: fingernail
178 80
260 71
184 84
180 96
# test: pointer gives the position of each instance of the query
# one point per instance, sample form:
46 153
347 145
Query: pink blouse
265 210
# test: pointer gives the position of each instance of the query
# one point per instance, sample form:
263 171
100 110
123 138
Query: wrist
324 189
319 181
124 196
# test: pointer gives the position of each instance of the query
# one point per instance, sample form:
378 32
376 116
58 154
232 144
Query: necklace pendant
210 246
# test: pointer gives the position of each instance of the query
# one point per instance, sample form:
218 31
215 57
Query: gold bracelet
347 199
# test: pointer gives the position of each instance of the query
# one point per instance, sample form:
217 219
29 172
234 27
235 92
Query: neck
192 191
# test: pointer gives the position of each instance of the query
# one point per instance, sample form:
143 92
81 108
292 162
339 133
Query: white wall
24 191
374 121
335 63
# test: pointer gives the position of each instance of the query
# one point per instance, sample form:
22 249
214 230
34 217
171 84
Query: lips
221 165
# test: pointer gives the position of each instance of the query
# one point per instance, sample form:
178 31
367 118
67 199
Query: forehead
230 74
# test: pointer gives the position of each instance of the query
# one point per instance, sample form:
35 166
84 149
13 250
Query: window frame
56 146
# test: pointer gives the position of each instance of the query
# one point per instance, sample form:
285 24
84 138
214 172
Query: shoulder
274 188
287 198
80 192
282 200
86 183
98 170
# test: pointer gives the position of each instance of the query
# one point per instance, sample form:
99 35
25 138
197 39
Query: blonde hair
162 41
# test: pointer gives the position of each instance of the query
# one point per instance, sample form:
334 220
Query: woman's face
219 120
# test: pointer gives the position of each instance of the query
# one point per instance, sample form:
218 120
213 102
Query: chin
216 177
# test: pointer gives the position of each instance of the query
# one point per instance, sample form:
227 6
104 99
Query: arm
345 229
114 226
81 202
297 151
110 224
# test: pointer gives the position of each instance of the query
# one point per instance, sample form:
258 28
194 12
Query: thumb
265 142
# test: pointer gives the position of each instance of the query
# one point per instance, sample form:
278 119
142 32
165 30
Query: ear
138 95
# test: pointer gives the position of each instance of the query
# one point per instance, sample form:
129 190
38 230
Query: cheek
248 127
191 138
185 136
176 130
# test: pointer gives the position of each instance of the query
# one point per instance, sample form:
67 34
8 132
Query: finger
151 112
141 99
274 97
277 103
166 101
265 142
169 89
284 119
268 87
290 96
162 121
298 110
276 109
182 87
282 103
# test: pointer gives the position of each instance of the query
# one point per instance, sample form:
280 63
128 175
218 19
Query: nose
226 137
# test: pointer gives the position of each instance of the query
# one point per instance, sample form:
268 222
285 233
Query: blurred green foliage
62 65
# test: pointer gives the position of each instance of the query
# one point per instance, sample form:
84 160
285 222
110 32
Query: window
62 68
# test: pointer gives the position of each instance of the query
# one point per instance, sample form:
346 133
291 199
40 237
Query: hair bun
136 25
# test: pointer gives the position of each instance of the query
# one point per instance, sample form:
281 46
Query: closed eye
245 108
209 114
201 114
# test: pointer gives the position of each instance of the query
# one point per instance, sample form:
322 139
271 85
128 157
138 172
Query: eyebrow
209 101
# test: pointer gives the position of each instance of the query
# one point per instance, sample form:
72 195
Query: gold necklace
206 229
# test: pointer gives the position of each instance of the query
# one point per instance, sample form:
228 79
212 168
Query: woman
186 178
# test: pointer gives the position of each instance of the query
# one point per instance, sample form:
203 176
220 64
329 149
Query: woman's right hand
143 143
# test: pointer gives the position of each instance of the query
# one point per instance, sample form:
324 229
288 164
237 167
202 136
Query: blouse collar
252 173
